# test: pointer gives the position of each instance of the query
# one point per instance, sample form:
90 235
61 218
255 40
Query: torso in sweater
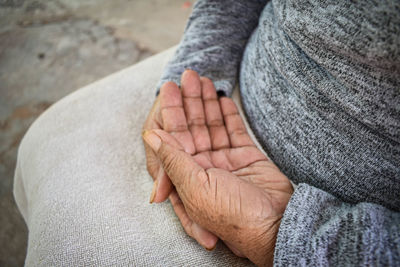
320 85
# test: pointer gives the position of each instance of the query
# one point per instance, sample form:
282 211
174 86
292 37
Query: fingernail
154 191
153 140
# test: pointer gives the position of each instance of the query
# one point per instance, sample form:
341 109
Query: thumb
181 168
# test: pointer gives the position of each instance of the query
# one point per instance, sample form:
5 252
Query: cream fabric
82 186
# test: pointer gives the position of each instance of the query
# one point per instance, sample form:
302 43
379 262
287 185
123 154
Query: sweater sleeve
318 229
213 42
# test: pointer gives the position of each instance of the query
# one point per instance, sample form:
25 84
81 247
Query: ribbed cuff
302 214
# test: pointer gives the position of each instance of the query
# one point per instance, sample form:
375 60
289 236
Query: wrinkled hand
168 114
227 185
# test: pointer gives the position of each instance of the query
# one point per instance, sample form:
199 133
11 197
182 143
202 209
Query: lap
82 186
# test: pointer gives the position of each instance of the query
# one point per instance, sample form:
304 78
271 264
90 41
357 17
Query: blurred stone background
49 48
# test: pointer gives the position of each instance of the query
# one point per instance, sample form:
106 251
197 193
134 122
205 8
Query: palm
262 179
212 131
208 128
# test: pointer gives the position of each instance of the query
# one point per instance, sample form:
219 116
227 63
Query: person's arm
214 40
318 229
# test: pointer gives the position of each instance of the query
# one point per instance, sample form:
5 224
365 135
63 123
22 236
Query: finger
215 122
188 178
163 185
205 238
193 106
152 162
153 121
173 119
179 165
173 115
235 126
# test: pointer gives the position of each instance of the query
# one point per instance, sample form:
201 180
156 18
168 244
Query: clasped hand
220 184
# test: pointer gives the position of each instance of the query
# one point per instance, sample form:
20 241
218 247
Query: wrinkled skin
222 184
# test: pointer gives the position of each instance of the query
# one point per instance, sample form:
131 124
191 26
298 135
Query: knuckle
170 161
176 128
216 123
152 162
196 121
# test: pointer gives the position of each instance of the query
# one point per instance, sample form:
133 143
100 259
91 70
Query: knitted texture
213 42
320 87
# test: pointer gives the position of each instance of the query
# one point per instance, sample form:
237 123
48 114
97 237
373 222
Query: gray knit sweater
320 85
